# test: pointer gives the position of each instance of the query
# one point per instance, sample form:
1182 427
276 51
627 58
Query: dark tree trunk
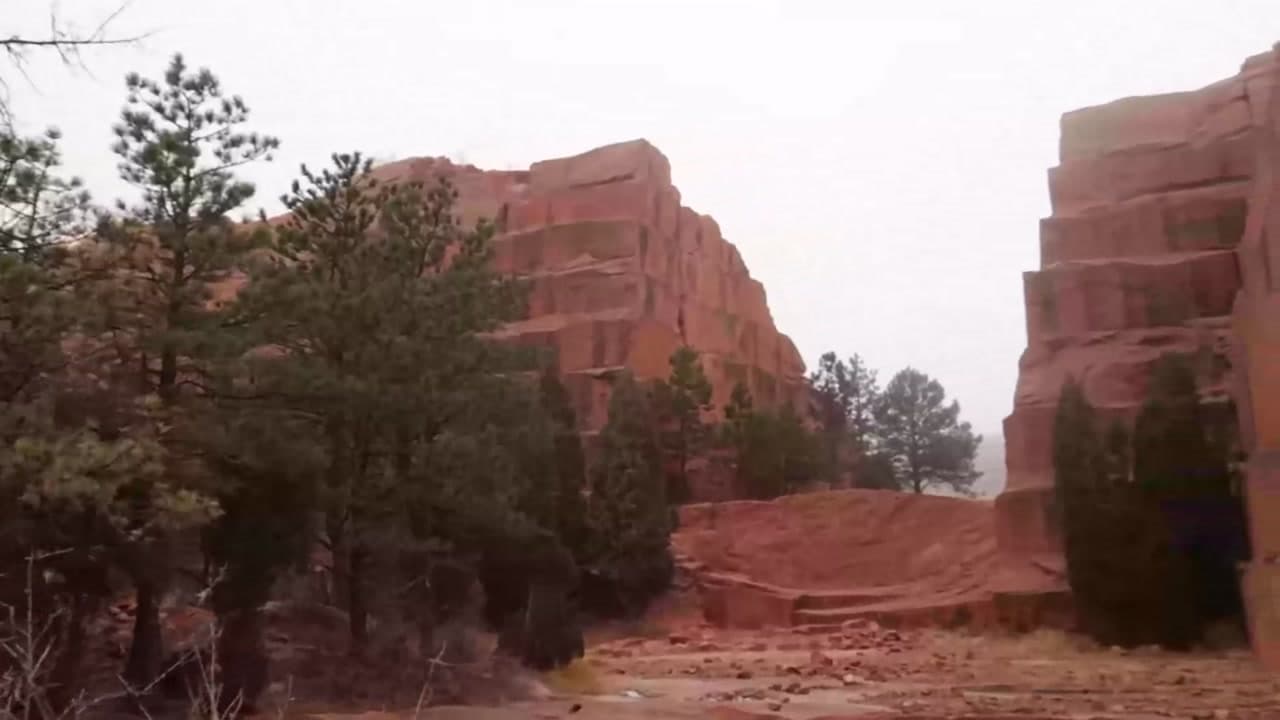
339 558
168 385
66 677
242 659
146 653
357 602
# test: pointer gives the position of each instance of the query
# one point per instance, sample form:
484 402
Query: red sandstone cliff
1139 258
1256 345
623 274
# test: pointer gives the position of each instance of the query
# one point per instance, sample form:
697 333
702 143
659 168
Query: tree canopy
923 437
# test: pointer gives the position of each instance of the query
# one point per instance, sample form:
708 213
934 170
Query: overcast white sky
882 170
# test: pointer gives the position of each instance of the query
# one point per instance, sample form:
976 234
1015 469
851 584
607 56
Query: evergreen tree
922 435
378 302
75 499
265 462
1173 457
180 141
846 393
1082 499
1183 473
628 560
80 469
775 454
877 472
565 474
41 214
1126 573
682 399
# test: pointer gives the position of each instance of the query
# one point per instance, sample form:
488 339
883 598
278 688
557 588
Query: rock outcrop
622 274
1164 237
829 557
1256 344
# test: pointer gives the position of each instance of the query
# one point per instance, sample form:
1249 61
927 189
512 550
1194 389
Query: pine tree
566 474
41 214
847 393
682 400
266 462
628 561
923 436
179 141
378 303
775 454
81 469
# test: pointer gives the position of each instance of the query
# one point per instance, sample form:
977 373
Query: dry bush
577 678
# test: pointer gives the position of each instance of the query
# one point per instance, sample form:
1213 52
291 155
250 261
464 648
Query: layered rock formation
623 274
1164 222
1256 325
828 557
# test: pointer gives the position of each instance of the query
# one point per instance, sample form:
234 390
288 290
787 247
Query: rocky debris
938 674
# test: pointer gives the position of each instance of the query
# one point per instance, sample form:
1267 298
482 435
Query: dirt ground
863 671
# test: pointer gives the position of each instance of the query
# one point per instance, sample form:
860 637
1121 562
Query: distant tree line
844 432
906 436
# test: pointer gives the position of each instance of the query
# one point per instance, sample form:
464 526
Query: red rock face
1144 254
1256 344
623 274
826 558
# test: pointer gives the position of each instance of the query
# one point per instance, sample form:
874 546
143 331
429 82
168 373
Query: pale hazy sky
882 170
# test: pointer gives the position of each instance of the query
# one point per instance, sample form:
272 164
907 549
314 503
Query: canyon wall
1163 238
622 274
1256 342
1149 202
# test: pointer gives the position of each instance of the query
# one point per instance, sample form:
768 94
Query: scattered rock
678 639
818 659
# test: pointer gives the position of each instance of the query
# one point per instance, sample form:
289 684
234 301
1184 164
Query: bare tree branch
63 40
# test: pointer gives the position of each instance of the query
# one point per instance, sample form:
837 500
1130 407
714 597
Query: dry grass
1050 643
577 678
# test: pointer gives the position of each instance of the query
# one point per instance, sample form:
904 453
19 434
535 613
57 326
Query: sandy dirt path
866 672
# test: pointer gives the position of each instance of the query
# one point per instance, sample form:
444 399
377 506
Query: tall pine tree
180 140
922 435
377 303
846 393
